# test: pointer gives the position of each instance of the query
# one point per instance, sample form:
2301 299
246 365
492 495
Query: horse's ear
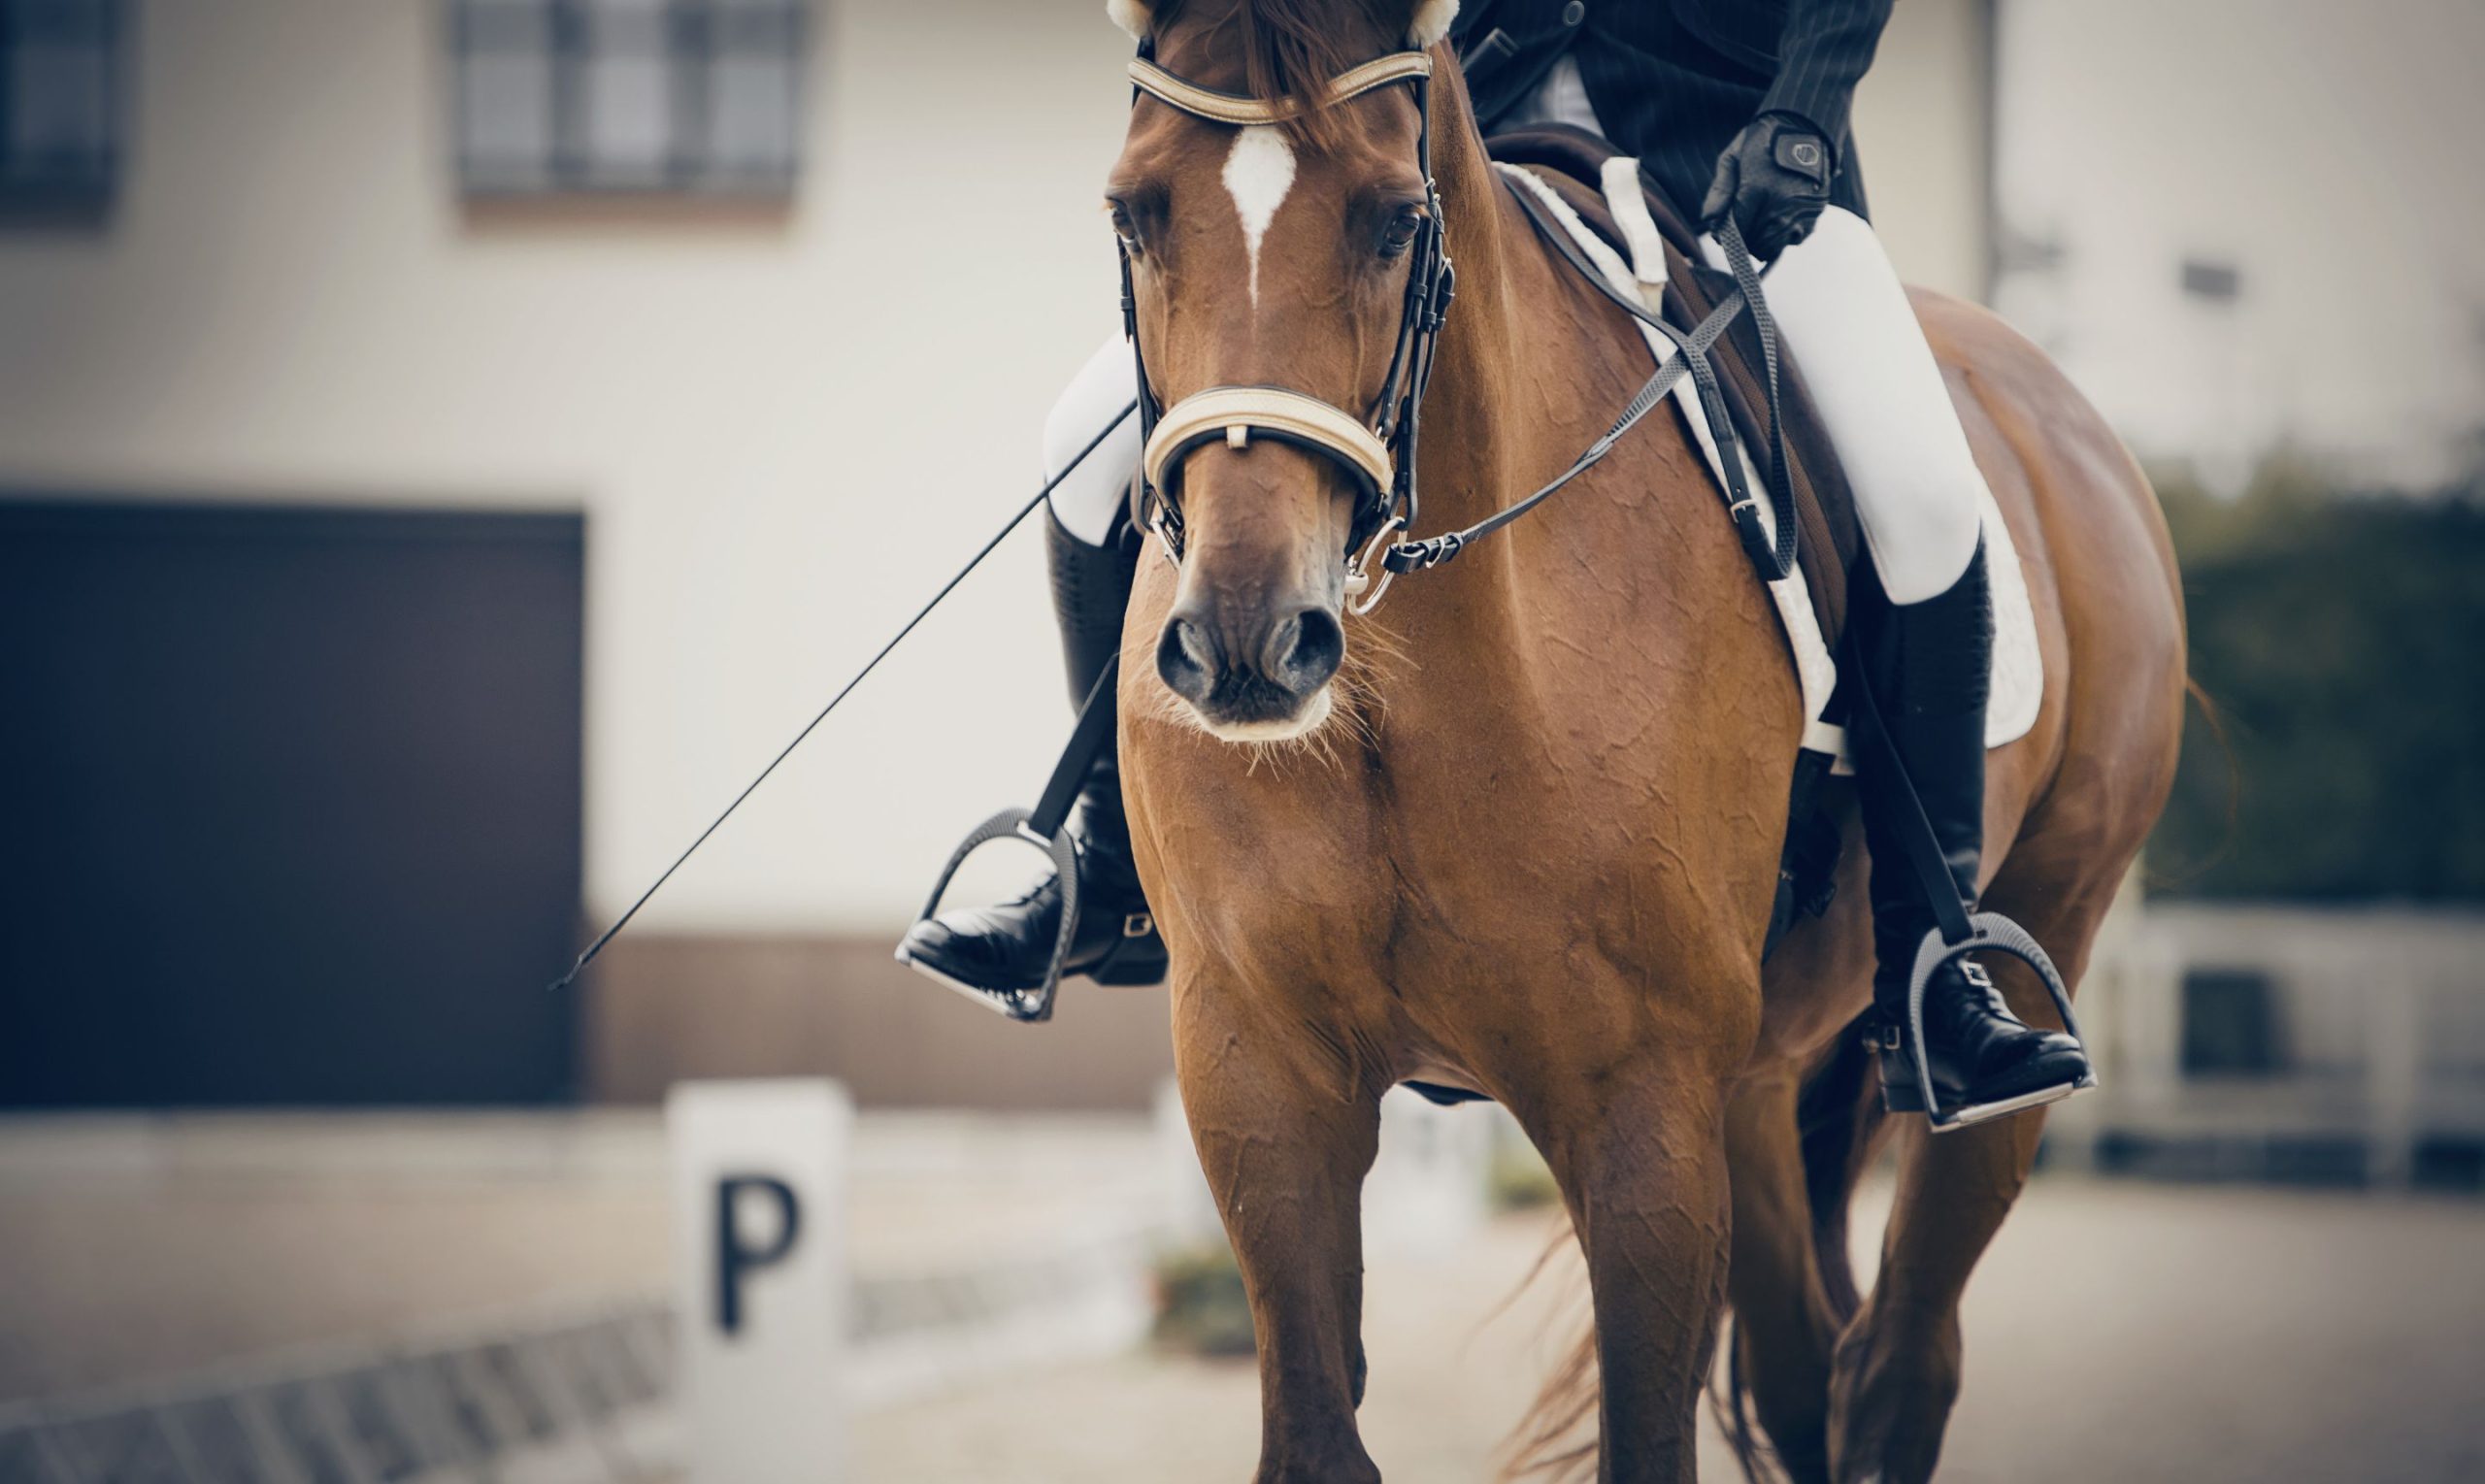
1131 16
1430 22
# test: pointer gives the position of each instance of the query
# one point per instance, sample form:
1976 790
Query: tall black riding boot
1010 946
1929 666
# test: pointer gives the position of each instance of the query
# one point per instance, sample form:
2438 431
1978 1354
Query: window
628 95
2233 1024
59 104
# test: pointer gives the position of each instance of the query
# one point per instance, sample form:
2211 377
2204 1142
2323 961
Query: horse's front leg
1633 1128
1285 1133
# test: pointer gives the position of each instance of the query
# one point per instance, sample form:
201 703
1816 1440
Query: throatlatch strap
1089 739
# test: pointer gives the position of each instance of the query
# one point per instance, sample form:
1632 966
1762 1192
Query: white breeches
1843 314
1839 310
1089 497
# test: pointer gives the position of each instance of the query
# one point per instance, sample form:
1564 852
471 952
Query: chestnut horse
1524 840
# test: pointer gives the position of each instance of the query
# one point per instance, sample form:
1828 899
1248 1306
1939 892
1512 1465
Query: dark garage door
289 804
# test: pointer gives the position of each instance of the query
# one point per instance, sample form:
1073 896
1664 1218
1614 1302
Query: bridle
1376 450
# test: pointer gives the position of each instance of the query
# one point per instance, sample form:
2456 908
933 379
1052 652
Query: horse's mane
1292 48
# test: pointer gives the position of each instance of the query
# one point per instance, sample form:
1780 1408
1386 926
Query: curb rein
1379 451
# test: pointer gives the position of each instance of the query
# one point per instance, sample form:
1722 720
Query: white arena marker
760 1277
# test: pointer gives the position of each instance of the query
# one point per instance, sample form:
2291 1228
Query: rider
1741 107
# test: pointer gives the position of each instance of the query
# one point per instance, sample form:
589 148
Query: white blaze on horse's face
1258 173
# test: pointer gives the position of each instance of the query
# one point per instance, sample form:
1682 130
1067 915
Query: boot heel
1901 1099
1899 1092
1137 960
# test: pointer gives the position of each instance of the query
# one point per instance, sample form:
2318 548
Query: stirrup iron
1046 827
1987 933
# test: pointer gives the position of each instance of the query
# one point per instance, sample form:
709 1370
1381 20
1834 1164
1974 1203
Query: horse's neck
1510 328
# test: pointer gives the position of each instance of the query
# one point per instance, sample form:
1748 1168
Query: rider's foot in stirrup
1009 947
1985 1059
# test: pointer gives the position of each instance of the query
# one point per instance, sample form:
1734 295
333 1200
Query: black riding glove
1774 179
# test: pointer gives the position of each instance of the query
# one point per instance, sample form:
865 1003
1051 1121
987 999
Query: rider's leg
1925 639
1092 553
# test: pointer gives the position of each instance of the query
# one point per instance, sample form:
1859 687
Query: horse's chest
1477 851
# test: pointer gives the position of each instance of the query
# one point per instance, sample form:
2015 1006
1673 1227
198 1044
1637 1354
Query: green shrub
1518 1180
1200 1305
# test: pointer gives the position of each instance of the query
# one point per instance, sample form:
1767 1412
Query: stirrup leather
1047 828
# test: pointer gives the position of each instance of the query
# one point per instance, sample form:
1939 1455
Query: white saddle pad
2018 664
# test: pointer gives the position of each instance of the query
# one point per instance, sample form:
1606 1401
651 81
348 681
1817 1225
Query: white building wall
2325 151
1923 133
786 428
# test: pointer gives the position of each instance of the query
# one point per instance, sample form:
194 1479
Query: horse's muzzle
1253 673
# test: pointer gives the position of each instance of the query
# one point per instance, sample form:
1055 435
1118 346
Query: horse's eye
1123 227
1401 232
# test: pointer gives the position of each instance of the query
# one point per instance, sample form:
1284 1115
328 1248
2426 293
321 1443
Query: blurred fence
2336 1046
584 1399
578 1401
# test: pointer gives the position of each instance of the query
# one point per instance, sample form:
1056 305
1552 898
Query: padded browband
1234 413
1234 109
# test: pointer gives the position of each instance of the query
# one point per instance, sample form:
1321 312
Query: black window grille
628 95
60 104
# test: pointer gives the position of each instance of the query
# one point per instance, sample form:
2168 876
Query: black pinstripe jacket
1674 80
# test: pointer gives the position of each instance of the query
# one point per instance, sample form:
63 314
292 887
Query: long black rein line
922 613
1774 558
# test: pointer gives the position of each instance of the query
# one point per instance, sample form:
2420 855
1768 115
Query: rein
1773 556
1377 450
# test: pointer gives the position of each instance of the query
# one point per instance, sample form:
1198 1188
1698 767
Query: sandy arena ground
2117 1330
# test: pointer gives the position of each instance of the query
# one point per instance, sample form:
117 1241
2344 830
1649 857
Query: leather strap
1704 375
1911 824
1779 555
1093 733
1243 111
1691 358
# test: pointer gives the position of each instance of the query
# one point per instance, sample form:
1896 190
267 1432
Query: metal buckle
1138 924
1163 538
1359 582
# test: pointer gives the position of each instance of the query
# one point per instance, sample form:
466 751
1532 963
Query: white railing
2383 1019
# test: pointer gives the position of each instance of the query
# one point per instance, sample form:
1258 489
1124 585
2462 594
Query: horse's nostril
1307 650
1186 659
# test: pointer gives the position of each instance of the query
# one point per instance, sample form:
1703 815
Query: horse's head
1271 256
